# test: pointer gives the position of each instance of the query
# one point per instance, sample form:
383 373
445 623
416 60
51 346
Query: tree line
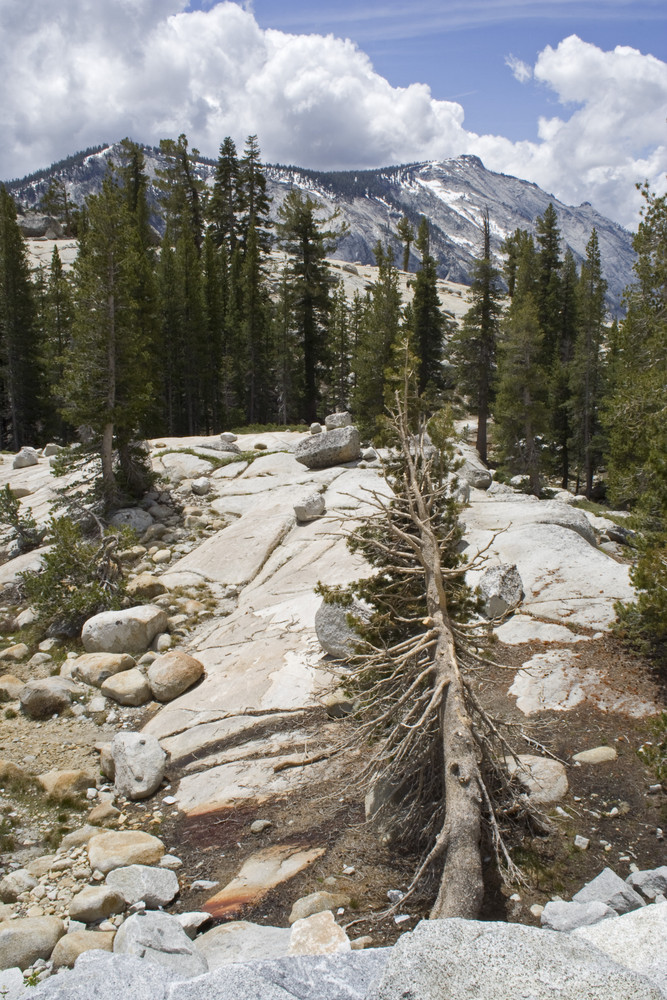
200 334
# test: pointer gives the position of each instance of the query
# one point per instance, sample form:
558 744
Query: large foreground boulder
129 631
463 959
320 451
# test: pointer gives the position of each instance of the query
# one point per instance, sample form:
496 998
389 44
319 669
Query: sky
570 94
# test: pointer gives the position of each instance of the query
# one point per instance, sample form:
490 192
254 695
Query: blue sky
570 94
460 48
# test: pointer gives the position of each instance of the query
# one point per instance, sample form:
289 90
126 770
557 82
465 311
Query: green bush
21 522
80 578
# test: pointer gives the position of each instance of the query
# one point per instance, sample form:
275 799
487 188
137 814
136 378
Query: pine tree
20 375
548 295
428 322
307 243
57 316
254 203
341 351
184 329
374 355
224 206
586 369
559 381
473 347
407 234
107 375
636 420
520 411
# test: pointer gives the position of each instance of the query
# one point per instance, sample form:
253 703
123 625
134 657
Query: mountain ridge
453 194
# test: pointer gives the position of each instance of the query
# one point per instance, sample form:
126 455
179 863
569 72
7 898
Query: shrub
80 578
21 522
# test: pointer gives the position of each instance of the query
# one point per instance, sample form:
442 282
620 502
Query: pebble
581 843
260 825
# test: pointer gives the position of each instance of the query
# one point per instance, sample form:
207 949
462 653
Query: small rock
24 941
173 673
160 939
127 688
155 886
562 916
72 945
200 487
336 447
25 458
650 883
10 687
317 902
203 883
608 888
16 883
107 851
581 843
132 517
128 631
62 784
259 825
501 588
598 755
310 508
318 935
171 862
147 586
96 902
544 779
315 428
95 668
19 651
335 420
191 922
139 763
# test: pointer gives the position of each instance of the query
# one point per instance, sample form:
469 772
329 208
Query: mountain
453 194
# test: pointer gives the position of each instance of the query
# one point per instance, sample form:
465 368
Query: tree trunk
461 883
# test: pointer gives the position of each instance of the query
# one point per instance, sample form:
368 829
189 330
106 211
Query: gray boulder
25 458
464 959
132 517
129 631
320 451
609 888
95 668
16 882
309 508
98 975
12 986
649 884
241 941
334 421
25 940
475 475
635 940
315 428
129 687
159 938
156 886
501 588
173 673
200 487
335 634
139 764
95 902
48 696
561 916
544 779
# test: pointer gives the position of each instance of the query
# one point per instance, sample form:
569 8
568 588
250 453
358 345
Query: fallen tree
430 747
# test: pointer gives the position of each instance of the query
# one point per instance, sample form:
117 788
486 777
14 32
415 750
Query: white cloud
521 71
91 72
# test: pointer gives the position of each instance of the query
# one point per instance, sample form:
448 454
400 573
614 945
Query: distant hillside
453 194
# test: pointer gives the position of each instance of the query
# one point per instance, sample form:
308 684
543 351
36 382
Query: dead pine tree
436 756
